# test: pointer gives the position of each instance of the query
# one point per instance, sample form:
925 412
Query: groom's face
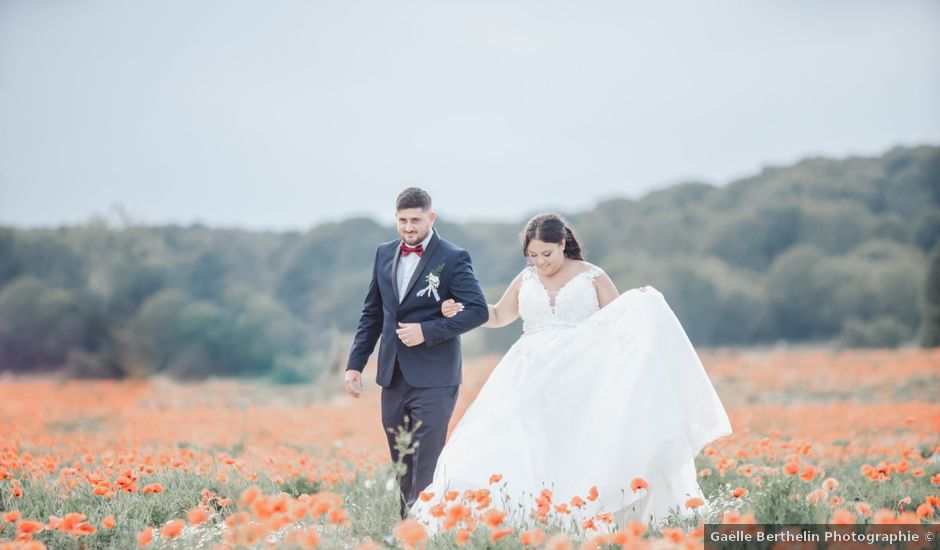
414 224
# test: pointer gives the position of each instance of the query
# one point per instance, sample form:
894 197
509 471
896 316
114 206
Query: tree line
834 251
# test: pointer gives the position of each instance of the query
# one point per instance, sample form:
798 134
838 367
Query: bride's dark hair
551 228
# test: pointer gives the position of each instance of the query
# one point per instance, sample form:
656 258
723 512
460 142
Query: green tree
794 297
930 324
50 259
208 276
39 325
880 332
927 229
9 260
753 239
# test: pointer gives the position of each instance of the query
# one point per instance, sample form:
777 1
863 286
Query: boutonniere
433 280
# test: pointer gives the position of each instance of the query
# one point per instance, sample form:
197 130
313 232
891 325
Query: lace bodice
572 304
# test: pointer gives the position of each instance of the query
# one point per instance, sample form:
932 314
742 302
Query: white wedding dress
586 397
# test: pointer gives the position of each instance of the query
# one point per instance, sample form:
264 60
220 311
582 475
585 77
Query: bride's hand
450 308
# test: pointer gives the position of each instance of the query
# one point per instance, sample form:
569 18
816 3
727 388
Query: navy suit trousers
405 405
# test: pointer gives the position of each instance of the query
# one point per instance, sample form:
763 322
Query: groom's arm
370 324
464 288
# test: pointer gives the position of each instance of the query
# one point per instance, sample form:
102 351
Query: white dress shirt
407 265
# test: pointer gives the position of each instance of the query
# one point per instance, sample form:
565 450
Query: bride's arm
504 312
606 290
506 309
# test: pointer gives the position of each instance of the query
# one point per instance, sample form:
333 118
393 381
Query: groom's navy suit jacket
435 362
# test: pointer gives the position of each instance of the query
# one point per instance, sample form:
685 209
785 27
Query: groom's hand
410 334
353 383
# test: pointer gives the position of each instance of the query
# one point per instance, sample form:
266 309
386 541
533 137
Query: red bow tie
405 249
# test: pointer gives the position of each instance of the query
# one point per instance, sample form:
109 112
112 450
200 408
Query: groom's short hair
413 197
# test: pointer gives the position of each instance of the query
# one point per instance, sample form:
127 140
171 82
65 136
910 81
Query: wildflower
338 517
502 533
638 483
172 530
532 538
676 536
493 518
636 529
248 496
71 521
307 538
456 514
841 516
809 472
28 527
694 503
145 536
883 516
410 533
196 515
558 542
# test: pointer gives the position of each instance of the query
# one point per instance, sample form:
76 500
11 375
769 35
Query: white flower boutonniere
434 281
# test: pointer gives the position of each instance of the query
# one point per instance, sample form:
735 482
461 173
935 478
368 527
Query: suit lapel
425 258
396 255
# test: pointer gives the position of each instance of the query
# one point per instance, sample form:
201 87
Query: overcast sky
283 114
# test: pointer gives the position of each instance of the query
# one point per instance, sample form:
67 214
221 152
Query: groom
419 358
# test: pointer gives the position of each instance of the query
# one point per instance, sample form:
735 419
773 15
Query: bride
601 391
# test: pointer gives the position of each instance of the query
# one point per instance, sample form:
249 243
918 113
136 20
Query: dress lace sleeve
594 272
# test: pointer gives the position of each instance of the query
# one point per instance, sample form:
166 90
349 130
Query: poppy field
820 436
